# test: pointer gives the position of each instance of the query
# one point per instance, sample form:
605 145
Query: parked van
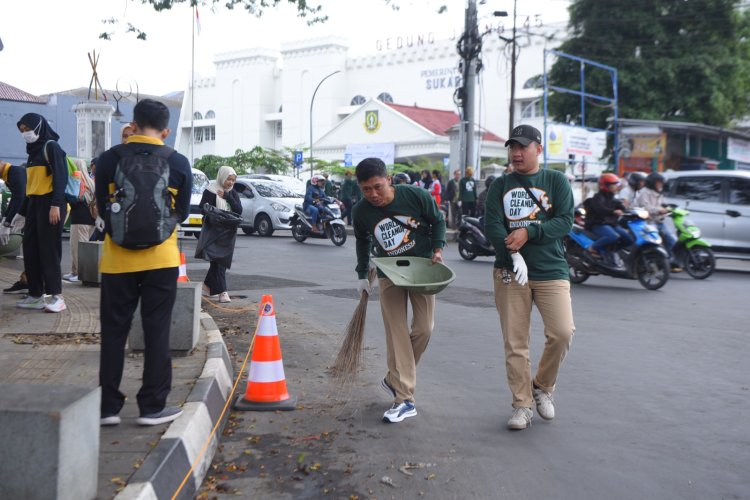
719 204
192 225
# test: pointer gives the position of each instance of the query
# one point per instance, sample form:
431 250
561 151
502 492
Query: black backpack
140 213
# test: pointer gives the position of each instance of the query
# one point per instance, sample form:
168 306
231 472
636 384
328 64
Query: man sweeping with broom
402 220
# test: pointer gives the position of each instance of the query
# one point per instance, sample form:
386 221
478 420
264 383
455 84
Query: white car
267 205
292 183
194 222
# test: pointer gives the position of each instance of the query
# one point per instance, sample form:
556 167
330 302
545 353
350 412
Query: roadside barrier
266 382
183 269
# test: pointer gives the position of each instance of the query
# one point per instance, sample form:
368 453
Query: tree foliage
683 60
257 160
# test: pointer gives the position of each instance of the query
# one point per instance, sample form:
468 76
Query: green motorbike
693 252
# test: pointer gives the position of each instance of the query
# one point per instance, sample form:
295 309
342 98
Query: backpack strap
525 186
123 150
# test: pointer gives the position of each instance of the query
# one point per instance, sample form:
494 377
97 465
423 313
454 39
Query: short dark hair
149 113
369 168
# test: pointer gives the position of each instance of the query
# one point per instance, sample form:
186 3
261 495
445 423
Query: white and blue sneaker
400 411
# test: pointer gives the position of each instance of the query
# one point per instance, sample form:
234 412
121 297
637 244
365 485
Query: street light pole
512 74
312 101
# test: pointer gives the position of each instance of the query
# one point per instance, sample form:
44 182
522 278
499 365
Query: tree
258 160
676 60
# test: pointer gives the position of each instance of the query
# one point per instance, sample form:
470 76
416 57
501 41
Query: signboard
298 158
738 150
565 140
355 153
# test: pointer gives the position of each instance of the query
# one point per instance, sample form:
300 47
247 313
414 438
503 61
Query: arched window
385 97
210 114
197 115
358 100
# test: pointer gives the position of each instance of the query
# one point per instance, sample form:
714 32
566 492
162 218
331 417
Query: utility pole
512 75
469 48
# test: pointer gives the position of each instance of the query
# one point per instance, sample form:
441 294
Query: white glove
17 223
4 235
519 267
363 285
99 224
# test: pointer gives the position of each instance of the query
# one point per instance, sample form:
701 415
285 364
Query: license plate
194 220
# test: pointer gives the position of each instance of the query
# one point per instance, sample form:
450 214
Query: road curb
167 464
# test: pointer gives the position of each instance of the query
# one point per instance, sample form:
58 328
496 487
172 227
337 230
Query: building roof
437 121
11 93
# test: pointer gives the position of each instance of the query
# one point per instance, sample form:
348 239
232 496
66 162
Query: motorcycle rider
313 196
602 211
652 199
636 181
400 178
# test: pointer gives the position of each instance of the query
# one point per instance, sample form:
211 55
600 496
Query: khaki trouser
78 232
513 302
405 347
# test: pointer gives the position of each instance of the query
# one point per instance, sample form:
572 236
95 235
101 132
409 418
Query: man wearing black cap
527 214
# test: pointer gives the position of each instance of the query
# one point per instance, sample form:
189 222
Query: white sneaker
520 419
400 411
56 304
224 298
71 278
30 302
545 405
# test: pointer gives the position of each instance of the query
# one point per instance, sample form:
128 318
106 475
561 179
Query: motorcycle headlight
694 232
279 207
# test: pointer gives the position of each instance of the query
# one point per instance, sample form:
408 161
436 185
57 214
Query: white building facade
262 97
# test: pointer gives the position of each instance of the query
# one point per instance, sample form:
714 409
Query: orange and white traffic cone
183 269
266 382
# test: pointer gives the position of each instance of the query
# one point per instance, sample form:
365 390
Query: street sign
298 158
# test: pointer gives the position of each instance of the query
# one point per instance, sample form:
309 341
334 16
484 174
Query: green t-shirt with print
411 205
467 189
509 207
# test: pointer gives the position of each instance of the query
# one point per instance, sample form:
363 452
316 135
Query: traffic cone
183 269
266 383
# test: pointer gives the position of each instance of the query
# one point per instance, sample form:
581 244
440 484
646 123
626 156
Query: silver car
719 204
266 205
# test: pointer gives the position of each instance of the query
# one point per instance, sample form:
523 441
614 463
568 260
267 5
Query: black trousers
469 208
157 290
216 278
42 247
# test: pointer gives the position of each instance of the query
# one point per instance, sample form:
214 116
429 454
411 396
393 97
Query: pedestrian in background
400 220
14 178
350 195
451 195
220 194
437 188
467 193
148 274
81 229
44 209
528 213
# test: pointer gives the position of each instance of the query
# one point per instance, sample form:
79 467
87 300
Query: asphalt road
652 401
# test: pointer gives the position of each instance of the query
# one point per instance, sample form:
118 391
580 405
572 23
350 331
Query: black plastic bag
218 234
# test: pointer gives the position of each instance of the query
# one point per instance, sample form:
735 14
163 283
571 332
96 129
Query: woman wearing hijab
220 194
45 209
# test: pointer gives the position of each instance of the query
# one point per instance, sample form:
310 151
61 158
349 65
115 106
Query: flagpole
192 89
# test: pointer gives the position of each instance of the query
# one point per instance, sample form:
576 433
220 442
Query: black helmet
635 179
652 179
401 178
488 181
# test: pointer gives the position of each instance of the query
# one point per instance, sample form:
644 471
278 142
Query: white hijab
218 184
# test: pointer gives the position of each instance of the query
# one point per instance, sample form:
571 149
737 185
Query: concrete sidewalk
134 461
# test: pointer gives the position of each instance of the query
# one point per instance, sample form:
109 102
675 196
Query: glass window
535 82
198 134
385 97
197 115
279 129
273 190
210 133
200 182
698 188
531 109
210 114
357 100
739 191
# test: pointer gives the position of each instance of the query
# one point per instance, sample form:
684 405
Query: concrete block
50 441
185 327
89 255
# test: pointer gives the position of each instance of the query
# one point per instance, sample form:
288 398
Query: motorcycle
645 260
472 241
693 252
330 224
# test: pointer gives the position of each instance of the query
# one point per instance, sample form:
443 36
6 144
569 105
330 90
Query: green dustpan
14 243
417 274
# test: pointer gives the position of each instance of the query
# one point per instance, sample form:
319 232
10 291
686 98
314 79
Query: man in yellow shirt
148 274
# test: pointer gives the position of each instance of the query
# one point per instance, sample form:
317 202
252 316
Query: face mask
30 136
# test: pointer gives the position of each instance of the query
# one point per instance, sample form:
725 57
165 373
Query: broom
349 357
